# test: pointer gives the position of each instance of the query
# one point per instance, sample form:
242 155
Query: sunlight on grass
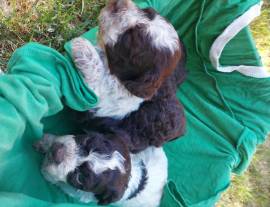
253 187
261 32
50 22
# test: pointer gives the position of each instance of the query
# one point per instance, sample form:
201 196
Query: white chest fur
114 99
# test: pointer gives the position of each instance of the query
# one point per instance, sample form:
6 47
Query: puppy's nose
116 5
58 152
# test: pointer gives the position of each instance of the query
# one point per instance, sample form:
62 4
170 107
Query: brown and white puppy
96 167
94 162
138 49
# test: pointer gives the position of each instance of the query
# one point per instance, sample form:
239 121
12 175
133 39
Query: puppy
156 122
136 67
137 50
97 167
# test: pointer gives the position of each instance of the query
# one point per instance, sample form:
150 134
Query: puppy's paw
84 54
44 143
81 48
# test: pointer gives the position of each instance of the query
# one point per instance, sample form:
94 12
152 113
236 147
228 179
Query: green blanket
226 98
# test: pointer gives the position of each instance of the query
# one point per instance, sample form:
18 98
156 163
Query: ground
52 22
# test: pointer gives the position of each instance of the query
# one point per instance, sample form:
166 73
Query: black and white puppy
138 49
97 167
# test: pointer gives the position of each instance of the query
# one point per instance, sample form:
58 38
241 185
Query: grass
52 22
252 189
261 32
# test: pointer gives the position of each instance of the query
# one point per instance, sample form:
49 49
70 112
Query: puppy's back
156 165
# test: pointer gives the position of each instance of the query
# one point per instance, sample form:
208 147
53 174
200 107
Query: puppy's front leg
88 61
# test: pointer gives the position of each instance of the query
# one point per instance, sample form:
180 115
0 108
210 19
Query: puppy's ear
138 63
108 187
111 186
145 86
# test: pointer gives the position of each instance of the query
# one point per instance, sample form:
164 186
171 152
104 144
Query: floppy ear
110 192
145 86
138 64
107 187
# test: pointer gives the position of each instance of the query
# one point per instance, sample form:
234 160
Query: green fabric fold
39 82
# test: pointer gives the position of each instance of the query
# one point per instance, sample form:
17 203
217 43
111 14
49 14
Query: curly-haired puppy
98 167
138 49
136 68
156 122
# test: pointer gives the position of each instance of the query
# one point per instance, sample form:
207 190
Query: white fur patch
114 99
163 34
100 162
55 173
115 25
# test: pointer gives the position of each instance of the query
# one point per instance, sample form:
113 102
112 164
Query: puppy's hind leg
88 61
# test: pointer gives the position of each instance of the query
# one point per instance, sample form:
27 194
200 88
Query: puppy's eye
104 148
107 144
80 178
83 152
75 179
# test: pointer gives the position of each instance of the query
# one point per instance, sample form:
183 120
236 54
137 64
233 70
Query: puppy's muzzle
57 152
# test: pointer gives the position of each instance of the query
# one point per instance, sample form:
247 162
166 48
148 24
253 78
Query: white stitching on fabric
228 34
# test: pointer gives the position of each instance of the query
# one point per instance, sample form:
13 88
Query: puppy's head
95 163
142 48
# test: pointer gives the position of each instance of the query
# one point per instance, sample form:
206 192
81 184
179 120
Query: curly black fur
156 122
